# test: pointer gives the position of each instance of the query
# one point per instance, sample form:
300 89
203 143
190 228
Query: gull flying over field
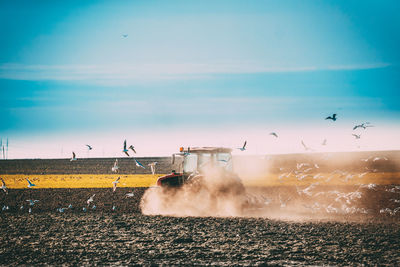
152 167
139 164
306 147
4 186
333 117
379 158
132 148
73 156
274 134
130 194
283 202
114 183
369 186
243 148
301 165
363 125
324 142
370 157
115 167
124 35
90 200
30 184
357 136
32 201
89 147
125 150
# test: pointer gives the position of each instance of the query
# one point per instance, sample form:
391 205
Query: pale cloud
147 72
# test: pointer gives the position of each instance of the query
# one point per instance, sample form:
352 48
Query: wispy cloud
145 72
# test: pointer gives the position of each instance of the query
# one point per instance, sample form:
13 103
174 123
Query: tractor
196 163
202 183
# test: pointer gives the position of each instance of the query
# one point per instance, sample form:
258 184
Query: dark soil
127 239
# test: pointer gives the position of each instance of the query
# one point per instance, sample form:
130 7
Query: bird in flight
139 164
357 136
89 147
152 167
32 202
363 125
324 142
132 148
124 35
243 148
274 134
283 201
4 186
73 156
130 194
115 167
305 147
333 117
114 183
30 184
90 200
125 150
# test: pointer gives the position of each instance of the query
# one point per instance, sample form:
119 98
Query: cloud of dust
298 187
211 193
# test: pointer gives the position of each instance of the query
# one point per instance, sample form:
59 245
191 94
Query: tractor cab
196 161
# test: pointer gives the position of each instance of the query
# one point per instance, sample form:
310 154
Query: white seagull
243 148
130 194
132 148
73 156
114 183
333 117
363 125
125 150
152 167
274 134
32 201
357 136
90 200
305 147
324 142
115 167
283 202
30 184
139 164
4 186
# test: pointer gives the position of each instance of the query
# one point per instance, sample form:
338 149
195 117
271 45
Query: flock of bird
332 201
333 117
125 150
303 170
32 202
115 168
340 200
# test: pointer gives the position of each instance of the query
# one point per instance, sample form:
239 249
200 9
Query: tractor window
190 163
204 160
225 160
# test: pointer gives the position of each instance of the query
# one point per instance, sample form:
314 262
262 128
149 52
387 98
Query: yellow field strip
79 180
145 180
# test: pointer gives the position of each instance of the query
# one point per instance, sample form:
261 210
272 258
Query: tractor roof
206 150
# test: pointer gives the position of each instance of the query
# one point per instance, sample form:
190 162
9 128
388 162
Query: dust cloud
213 193
299 187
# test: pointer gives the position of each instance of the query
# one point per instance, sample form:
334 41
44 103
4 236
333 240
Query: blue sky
232 69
